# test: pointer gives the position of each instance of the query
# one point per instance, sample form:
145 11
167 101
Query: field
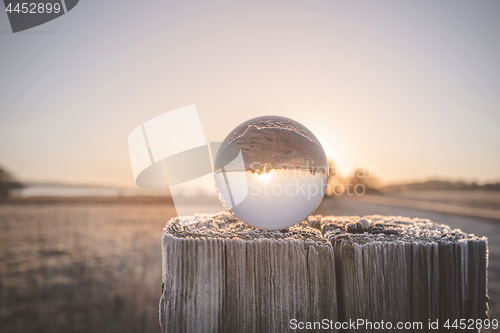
81 267
95 266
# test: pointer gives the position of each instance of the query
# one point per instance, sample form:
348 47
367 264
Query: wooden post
407 270
220 275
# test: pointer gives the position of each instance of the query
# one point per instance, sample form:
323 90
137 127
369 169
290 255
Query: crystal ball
271 172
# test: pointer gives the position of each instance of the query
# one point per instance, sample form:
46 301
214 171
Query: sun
265 176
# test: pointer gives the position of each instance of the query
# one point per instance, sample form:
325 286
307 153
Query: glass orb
271 172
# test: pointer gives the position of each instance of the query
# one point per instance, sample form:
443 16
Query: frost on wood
416 271
220 275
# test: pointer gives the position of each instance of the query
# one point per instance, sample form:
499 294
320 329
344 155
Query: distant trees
8 183
443 185
351 181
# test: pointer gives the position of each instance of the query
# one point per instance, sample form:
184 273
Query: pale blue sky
411 87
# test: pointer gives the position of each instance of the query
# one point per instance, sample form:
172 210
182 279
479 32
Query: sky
410 87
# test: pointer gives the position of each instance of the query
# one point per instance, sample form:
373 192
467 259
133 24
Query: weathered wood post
407 271
220 275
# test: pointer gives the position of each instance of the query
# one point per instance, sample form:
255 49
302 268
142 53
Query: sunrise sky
411 87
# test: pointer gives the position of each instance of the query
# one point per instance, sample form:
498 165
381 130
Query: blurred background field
93 264
81 266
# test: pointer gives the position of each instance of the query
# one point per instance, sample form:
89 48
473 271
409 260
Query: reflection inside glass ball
271 172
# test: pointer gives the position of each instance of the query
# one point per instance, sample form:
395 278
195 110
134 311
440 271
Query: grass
81 267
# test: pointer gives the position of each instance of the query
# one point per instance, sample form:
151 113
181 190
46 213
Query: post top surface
225 225
320 229
393 229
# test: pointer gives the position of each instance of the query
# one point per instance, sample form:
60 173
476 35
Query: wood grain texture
220 275
421 271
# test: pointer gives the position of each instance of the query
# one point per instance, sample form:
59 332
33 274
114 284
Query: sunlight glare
265 176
